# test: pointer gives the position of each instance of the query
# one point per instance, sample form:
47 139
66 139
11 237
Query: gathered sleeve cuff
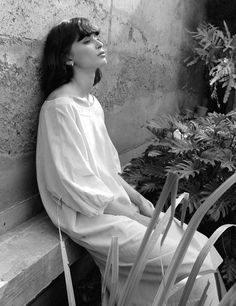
73 182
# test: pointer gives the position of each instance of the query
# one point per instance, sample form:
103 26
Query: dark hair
55 72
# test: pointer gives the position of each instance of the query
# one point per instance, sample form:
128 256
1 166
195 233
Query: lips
102 53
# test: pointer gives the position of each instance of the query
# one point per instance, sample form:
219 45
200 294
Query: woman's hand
146 208
129 211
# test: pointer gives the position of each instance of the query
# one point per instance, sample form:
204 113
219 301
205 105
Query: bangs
55 71
82 28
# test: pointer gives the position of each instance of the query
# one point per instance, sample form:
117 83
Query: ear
69 62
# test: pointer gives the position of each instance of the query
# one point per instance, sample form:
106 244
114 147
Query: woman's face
88 53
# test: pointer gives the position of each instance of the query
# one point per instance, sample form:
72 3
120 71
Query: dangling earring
70 63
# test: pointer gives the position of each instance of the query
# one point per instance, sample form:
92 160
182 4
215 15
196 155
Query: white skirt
95 233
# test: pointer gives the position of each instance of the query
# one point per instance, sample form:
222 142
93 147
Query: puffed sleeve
69 176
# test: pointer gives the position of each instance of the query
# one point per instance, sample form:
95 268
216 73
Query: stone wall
146 42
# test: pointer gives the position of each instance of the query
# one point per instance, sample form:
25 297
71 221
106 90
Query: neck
82 82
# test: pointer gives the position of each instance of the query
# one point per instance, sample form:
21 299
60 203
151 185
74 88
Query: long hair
55 71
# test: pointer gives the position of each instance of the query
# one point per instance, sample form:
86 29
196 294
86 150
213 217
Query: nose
99 43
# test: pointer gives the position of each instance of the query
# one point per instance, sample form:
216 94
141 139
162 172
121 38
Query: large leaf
138 265
172 269
186 168
199 261
115 271
66 267
106 273
111 262
204 295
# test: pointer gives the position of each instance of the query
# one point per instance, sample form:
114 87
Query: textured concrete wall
145 75
146 43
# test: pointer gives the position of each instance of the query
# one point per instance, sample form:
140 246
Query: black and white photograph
118 153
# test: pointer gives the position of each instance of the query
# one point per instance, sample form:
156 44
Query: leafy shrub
217 50
202 152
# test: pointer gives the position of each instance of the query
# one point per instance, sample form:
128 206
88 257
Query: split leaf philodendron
153 232
154 229
202 152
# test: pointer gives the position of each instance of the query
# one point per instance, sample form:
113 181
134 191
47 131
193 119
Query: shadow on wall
145 76
191 79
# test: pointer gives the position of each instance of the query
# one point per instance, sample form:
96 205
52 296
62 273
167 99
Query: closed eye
86 41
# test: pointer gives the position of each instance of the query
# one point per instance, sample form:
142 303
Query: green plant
155 228
153 232
217 50
202 152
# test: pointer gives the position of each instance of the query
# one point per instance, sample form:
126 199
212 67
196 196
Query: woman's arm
128 211
145 206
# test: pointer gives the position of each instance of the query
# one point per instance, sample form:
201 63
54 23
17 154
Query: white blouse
77 164
77 168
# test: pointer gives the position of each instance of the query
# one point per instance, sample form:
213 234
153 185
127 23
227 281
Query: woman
78 166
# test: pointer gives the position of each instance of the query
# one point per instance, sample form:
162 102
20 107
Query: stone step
30 259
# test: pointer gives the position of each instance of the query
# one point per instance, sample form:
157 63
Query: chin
102 62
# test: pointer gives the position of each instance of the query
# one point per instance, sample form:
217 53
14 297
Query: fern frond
227 30
230 85
162 123
148 187
206 161
214 95
186 169
209 187
223 156
132 174
224 205
216 118
193 187
181 146
228 165
229 270
194 203
204 136
155 128
218 210
193 62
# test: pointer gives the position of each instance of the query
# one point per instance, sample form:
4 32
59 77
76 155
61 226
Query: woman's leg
96 233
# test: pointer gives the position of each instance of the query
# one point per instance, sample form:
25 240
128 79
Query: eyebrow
88 36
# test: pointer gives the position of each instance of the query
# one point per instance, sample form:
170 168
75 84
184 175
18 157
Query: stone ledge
30 255
30 259
13 212
18 213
